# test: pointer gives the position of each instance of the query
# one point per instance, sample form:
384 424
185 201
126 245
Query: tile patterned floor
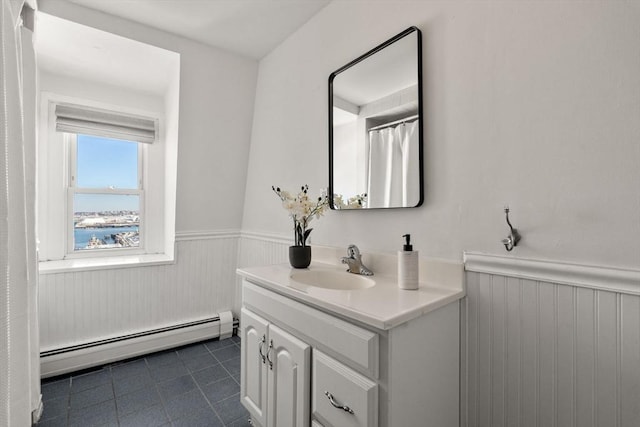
195 385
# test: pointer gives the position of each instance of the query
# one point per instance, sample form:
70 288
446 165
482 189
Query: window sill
103 263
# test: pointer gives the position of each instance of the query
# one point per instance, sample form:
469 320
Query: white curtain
393 178
410 164
17 241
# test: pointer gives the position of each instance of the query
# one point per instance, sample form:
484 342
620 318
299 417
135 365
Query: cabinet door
288 380
253 371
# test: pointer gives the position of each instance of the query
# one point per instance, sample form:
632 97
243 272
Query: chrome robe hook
514 237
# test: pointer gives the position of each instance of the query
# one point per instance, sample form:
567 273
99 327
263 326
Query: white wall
216 108
530 104
98 91
216 95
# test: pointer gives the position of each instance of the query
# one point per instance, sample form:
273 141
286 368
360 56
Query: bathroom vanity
324 347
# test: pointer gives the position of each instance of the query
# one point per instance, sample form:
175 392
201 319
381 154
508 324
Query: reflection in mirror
375 130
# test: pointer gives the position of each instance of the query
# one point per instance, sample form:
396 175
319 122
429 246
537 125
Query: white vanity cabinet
340 372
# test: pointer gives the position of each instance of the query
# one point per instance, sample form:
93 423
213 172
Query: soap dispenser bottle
408 266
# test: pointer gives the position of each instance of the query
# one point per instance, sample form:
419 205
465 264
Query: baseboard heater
82 356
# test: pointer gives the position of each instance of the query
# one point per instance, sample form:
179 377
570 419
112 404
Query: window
105 185
105 192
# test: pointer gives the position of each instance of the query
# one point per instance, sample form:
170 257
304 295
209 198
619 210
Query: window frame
159 169
71 148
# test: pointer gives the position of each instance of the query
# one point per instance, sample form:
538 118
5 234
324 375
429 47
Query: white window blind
110 124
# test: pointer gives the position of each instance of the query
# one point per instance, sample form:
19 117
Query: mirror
375 127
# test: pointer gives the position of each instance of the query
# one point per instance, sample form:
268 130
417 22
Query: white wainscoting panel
85 306
258 249
262 249
539 353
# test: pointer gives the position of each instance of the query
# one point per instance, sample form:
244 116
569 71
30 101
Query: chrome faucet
354 261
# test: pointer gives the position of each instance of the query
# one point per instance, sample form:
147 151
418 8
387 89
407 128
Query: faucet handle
353 251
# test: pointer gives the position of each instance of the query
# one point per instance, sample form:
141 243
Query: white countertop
382 306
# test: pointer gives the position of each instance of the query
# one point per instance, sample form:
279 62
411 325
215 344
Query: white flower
355 202
302 209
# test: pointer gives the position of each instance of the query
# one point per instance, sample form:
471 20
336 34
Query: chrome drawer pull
336 404
264 338
269 351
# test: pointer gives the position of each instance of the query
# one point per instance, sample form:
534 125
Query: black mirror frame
333 75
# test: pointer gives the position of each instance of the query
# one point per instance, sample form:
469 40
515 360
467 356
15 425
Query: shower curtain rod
386 125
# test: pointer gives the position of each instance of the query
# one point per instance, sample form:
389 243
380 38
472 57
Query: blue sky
104 162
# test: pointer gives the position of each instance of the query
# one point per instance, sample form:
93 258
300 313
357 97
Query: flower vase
300 256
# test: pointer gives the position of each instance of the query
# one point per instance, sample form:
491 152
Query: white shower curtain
393 166
17 259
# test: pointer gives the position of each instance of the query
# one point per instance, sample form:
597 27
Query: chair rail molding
206 234
266 237
595 277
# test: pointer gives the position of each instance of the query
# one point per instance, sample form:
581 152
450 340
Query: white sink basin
330 279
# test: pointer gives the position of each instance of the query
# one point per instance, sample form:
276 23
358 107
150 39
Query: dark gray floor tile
218 344
87 399
138 400
55 389
192 350
173 388
221 390
153 416
186 404
128 369
97 415
240 422
168 372
226 353
232 366
91 396
162 358
203 418
231 409
209 375
53 422
201 361
54 408
236 339
90 380
132 383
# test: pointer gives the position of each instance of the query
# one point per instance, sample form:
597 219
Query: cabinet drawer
356 344
347 389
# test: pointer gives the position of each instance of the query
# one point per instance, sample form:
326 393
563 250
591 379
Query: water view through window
106 204
97 227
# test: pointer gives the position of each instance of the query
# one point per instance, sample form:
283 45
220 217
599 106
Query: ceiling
250 28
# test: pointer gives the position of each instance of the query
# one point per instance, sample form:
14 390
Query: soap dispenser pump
408 266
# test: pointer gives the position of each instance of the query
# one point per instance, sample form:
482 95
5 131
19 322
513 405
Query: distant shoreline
119 225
